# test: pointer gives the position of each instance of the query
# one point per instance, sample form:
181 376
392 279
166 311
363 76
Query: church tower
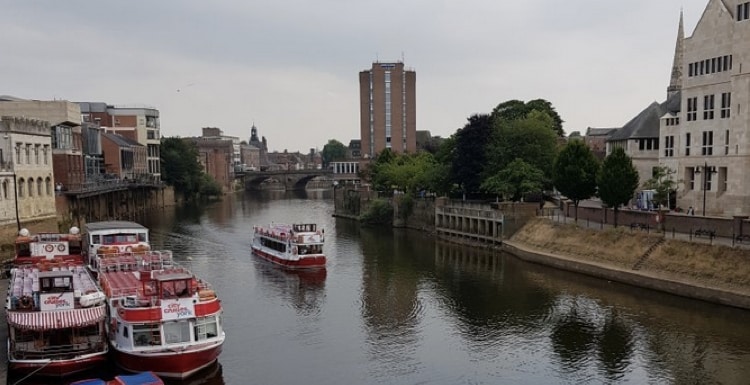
675 83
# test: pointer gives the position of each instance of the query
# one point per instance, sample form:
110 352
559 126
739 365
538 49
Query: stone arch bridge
291 179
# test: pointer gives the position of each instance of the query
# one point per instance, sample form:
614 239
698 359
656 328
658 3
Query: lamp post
706 174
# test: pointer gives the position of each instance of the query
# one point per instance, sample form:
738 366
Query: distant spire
675 83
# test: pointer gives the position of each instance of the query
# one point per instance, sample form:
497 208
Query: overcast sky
291 66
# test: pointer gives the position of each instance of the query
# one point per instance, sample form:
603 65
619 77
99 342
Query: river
399 307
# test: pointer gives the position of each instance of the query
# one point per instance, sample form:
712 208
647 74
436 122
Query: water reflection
303 288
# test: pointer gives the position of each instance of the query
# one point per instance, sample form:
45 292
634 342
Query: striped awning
58 319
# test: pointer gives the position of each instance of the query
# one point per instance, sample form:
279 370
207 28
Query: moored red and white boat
55 311
292 246
162 318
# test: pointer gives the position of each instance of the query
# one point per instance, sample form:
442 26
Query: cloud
292 67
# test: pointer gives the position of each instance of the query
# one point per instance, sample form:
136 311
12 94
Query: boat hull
312 262
60 368
172 364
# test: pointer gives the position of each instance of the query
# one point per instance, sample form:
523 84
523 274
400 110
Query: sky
291 67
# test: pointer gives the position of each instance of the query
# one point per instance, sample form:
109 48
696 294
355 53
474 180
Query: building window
708 107
45 151
31 187
743 11
690 177
726 142
708 177
726 101
5 189
669 146
722 187
687 144
708 142
692 108
36 154
48 185
20 183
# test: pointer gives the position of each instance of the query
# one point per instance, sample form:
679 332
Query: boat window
146 335
177 332
96 239
205 328
142 237
125 330
108 240
23 250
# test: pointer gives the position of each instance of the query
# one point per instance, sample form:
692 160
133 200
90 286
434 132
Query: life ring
25 302
129 249
49 248
61 247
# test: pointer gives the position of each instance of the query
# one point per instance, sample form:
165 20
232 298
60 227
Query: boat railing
38 349
142 261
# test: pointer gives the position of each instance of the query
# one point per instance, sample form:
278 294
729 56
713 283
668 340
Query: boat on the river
144 378
162 317
293 246
54 308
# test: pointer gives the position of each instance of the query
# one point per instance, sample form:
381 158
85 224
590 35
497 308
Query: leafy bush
380 212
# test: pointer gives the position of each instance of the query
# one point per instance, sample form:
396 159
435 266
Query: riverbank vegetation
713 266
182 170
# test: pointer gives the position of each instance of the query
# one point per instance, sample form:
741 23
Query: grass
720 267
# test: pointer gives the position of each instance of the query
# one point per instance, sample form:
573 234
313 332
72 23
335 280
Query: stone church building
702 131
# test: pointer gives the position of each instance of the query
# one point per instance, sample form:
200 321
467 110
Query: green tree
181 169
517 110
617 180
516 180
574 173
333 151
530 139
470 152
180 166
663 185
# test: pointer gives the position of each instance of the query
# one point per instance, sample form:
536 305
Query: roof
593 131
121 140
56 319
646 123
113 225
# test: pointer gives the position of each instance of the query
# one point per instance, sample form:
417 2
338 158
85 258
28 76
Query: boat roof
111 225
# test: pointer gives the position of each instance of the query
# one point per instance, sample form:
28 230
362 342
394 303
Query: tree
180 166
516 110
574 173
516 180
530 139
470 155
662 184
181 169
333 151
617 180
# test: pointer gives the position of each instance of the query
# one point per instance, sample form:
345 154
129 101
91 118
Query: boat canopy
59 319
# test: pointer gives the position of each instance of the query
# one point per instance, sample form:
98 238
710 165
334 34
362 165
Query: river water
399 307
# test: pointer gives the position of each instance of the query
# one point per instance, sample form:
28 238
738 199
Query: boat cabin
304 227
56 290
114 237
